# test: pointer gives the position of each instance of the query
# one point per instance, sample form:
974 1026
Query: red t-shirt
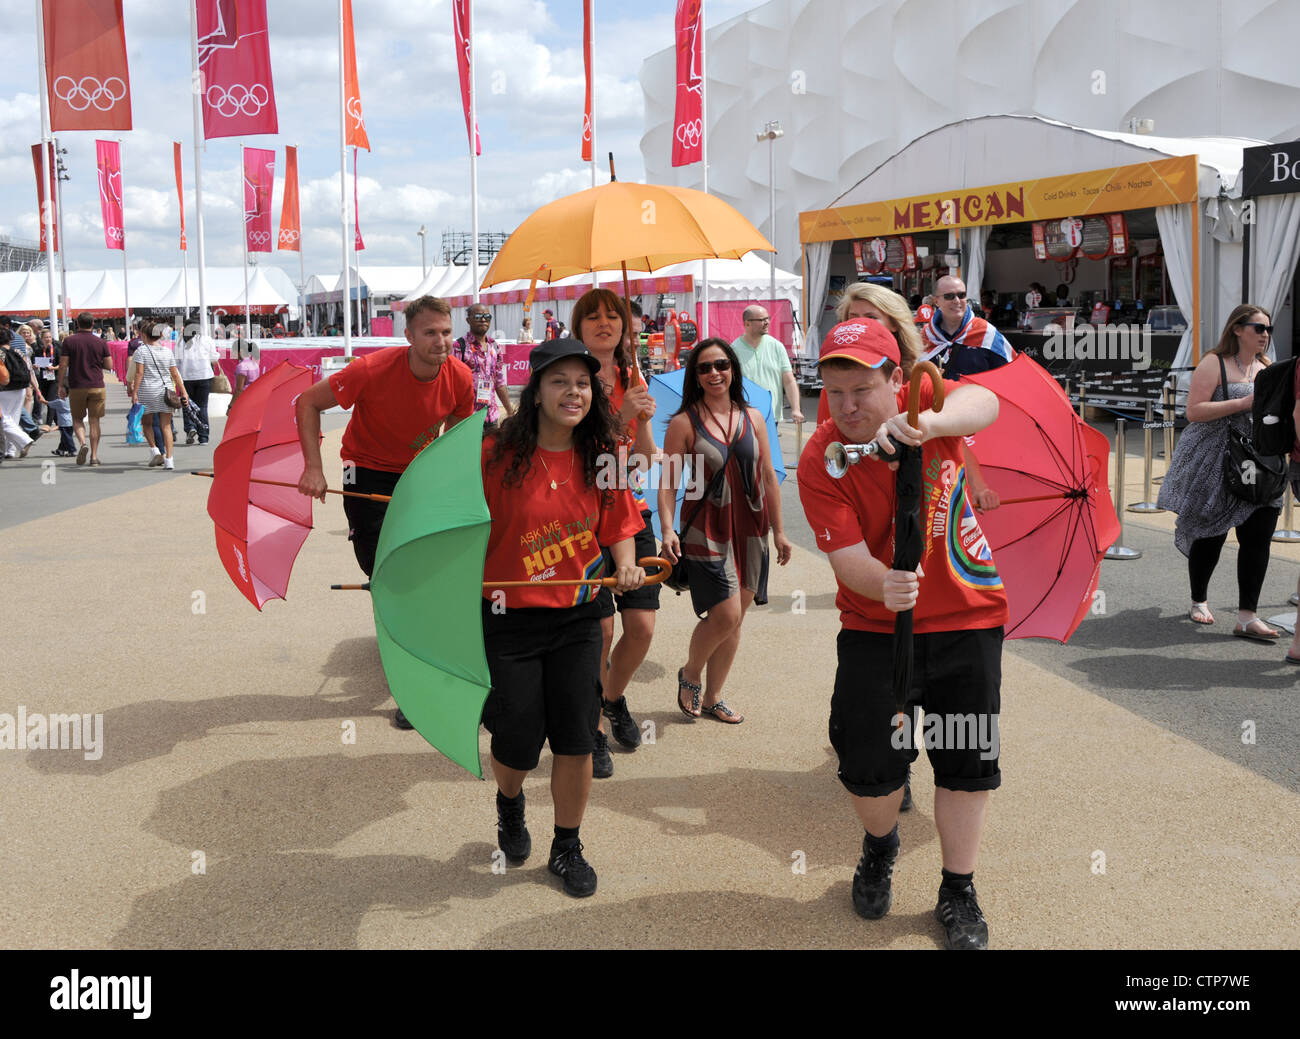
961 588
627 441
539 534
394 414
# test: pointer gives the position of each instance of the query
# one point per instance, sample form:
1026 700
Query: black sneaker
513 837
399 719
872 894
962 920
568 864
621 722
602 765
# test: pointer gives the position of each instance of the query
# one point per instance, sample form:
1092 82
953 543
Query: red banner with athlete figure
45 191
688 120
238 93
587 30
85 65
108 161
356 125
180 189
259 182
290 223
462 20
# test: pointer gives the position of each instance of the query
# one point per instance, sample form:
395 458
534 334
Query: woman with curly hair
603 325
543 641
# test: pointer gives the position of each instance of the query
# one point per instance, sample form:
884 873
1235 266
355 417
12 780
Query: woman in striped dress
154 366
724 536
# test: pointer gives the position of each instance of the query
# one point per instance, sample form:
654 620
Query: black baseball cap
557 350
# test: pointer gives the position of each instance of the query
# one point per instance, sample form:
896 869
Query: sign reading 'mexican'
1271 169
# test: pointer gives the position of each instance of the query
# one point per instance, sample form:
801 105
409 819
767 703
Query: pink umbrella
1057 519
261 527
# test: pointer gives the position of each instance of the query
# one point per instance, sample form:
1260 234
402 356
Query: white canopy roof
384 281
27 292
1002 149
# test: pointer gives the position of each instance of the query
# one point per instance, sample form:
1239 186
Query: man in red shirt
400 400
959 609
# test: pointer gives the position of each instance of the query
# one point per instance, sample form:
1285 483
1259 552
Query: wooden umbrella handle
920 370
665 568
282 483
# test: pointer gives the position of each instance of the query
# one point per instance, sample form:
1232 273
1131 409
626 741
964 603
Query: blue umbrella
666 390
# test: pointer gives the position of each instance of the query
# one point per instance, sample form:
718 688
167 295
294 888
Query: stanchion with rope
1148 423
1083 402
1167 400
1118 550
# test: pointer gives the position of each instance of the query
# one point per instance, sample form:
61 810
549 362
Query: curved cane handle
920 369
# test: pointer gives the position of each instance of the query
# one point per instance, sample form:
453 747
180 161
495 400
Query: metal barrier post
1083 394
1146 504
1118 550
1167 397
1287 534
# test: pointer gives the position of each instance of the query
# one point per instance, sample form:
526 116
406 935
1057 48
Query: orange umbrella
641 227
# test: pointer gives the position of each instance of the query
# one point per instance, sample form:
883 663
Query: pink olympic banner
235 67
688 124
462 25
259 181
108 160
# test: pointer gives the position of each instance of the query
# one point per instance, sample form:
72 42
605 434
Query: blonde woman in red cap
959 612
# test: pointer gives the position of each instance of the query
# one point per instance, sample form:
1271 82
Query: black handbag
1253 477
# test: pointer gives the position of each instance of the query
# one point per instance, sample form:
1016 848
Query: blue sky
529 81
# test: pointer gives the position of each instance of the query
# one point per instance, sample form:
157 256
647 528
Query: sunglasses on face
1261 328
950 296
704 367
480 317
759 320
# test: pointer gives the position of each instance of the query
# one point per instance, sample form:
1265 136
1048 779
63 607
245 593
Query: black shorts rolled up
647 596
366 518
545 667
956 678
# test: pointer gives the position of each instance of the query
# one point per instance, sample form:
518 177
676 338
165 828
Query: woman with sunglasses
725 522
1221 397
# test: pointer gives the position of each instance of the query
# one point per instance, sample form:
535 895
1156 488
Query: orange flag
290 225
180 191
85 65
356 124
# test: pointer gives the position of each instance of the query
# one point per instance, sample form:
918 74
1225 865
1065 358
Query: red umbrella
261 527
1057 519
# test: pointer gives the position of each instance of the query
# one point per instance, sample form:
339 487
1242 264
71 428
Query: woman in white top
526 333
154 365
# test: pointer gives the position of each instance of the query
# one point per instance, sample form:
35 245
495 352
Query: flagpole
196 91
473 152
343 196
704 155
303 327
48 205
243 175
126 292
58 218
595 277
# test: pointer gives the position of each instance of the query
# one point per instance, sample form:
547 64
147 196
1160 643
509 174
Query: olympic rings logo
288 236
354 110
115 233
78 96
238 99
848 334
259 237
689 134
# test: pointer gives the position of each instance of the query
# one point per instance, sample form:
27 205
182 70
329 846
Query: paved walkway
226 810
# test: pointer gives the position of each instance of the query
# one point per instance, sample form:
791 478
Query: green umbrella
426 589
